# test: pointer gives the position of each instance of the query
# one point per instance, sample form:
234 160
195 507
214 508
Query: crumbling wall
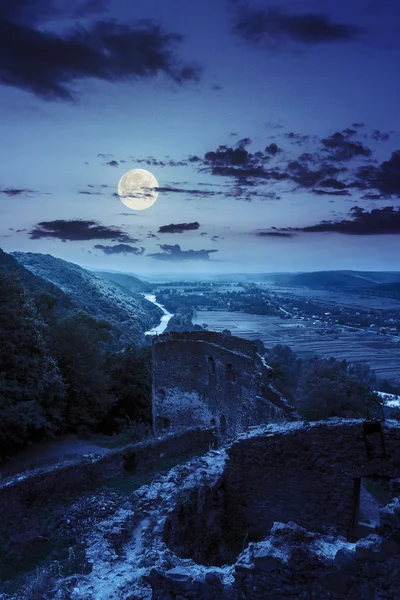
53 484
307 473
187 505
203 378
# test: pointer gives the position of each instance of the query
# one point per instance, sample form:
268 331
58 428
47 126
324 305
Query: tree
327 388
130 384
32 393
78 344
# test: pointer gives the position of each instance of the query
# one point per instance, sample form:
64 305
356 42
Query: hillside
35 284
133 284
128 312
339 280
389 290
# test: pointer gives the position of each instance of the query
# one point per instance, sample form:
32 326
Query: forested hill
68 357
128 312
40 288
134 284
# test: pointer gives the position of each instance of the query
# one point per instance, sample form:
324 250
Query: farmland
307 338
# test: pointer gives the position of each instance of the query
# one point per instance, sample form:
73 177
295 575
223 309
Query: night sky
273 129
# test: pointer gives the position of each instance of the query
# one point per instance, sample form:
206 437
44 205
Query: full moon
137 189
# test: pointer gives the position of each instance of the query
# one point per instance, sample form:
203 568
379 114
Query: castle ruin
207 378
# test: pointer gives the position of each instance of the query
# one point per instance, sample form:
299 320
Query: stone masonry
203 378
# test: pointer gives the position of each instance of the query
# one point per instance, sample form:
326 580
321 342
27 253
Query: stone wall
203 378
33 489
307 473
177 544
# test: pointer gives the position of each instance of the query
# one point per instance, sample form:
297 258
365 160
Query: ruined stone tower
203 378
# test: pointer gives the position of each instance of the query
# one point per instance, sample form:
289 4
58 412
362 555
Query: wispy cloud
275 29
12 192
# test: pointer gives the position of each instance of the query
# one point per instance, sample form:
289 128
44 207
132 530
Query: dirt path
50 452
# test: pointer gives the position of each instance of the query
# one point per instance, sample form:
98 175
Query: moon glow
137 189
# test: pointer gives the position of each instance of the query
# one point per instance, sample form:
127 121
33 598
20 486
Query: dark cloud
243 142
228 156
319 192
305 177
385 177
378 221
349 132
197 193
333 183
324 167
25 11
120 249
102 155
340 148
86 193
40 11
297 138
358 125
370 196
241 164
380 136
11 192
273 234
272 149
217 88
78 229
151 161
272 125
275 29
113 163
47 63
174 253
179 227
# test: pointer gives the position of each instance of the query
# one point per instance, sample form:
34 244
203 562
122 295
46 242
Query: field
305 338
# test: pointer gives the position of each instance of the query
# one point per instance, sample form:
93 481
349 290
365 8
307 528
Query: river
164 319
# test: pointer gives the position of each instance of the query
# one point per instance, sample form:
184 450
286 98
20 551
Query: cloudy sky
272 128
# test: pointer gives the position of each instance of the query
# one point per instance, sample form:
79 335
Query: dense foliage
321 388
32 393
60 369
183 320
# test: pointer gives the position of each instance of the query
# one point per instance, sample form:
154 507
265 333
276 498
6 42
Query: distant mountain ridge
129 313
374 282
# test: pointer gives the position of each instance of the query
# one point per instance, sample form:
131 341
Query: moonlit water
164 319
